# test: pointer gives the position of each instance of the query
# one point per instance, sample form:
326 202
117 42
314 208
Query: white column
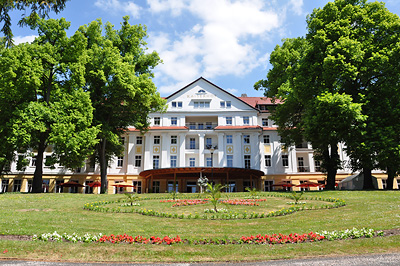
165 143
255 151
130 153
238 151
311 163
221 151
181 150
201 150
147 162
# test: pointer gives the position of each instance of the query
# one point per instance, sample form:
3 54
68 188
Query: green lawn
24 214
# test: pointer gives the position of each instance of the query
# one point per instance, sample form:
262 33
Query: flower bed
245 202
186 202
102 206
257 239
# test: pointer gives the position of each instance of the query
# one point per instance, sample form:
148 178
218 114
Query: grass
26 214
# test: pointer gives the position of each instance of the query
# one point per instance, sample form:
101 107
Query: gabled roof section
212 84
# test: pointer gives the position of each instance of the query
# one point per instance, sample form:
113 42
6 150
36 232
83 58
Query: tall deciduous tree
42 83
118 78
352 49
38 8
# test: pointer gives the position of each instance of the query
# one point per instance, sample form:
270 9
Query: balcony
201 126
303 169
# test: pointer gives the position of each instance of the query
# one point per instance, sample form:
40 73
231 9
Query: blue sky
226 41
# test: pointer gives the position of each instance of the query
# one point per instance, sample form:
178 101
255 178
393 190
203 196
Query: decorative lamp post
212 149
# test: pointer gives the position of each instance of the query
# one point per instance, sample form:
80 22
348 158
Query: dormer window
176 104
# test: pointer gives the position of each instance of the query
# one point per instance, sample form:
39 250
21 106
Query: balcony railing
302 169
201 126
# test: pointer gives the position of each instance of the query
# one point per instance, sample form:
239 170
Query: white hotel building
206 131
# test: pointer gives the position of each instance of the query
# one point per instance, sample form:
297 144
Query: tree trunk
367 178
37 183
391 173
103 165
331 166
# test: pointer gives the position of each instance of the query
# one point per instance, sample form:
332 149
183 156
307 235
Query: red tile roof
253 101
161 128
236 127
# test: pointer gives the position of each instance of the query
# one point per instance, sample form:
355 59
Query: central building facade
205 132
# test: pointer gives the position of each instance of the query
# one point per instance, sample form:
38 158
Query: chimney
244 95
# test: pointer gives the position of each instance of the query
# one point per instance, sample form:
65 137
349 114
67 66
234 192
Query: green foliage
339 84
39 9
118 76
253 192
46 105
214 192
131 198
296 197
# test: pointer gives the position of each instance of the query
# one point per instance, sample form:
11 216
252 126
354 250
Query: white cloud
173 6
115 6
296 6
221 41
23 39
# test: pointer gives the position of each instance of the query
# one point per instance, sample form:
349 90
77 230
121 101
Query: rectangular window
229 139
265 122
157 121
208 143
174 139
122 140
317 166
156 186
208 125
173 104
139 140
192 162
156 161
246 139
229 120
222 104
247 162
138 160
285 160
267 160
88 187
179 104
192 125
268 185
229 160
120 161
209 162
59 188
200 126
192 143
246 120
174 121
173 186
173 160
4 185
266 138
228 104
137 186
201 104
17 185
157 139
33 162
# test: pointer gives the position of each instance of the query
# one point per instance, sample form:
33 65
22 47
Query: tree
349 58
118 77
43 82
356 47
214 193
39 9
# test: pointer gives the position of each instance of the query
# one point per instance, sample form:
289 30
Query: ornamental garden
172 227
